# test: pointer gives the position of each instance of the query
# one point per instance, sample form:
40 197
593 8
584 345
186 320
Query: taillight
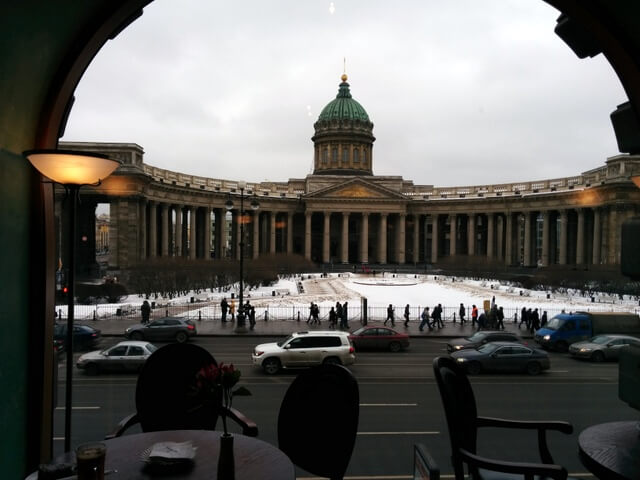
94 334
191 327
352 350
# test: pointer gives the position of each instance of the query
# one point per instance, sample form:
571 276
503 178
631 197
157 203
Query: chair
163 394
463 423
318 420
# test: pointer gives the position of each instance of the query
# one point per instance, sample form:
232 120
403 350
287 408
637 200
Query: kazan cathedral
344 214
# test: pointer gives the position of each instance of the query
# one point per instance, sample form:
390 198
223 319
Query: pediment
356 189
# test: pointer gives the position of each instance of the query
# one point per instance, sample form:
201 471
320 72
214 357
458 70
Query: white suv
305 349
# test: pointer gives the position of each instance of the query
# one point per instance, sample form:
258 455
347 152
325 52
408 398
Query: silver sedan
126 356
602 347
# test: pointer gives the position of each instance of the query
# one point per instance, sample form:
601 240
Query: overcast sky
461 92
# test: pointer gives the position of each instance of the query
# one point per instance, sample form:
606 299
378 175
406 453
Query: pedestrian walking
535 321
232 309
406 316
344 319
437 316
474 315
333 318
461 313
543 320
425 319
252 317
523 317
316 314
500 315
310 312
482 321
224 307
145 310
390 315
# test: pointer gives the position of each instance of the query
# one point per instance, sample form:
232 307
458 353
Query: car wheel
92 369
332 361
474 368
271 366
597 356
137 336
533 368
395 347
181 337
562 347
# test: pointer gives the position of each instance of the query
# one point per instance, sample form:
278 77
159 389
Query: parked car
480 338
167 329
84 336
503 357
380 338
602 347
305 349
128 356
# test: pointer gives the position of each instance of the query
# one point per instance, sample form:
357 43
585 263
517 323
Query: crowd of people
247 310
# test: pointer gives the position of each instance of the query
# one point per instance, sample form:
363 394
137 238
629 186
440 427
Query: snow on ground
283 300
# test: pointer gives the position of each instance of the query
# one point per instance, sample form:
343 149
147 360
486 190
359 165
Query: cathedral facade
344 214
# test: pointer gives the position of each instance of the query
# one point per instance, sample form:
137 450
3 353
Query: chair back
459 403
318 420
165 398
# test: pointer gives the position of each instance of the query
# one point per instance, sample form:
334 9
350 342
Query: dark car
602 347
480 338
167 329
84 336
128 356
502 357
379 338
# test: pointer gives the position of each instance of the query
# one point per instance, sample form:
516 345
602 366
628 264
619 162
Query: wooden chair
463 423
164 397
318 420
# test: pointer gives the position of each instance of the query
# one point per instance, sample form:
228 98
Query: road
400 405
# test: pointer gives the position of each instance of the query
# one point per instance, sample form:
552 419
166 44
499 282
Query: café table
611 450
253 458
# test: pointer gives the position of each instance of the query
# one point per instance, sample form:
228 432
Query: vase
226 464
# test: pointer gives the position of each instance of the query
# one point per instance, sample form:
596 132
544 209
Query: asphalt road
400 405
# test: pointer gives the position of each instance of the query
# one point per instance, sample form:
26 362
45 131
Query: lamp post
240 319
72 170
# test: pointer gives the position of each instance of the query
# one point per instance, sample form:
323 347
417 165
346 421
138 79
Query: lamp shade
69 167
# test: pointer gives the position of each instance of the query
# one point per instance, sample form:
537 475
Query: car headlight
257 353
547 337
584 350
457 347
461 360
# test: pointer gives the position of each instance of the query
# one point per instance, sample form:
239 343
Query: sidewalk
275 328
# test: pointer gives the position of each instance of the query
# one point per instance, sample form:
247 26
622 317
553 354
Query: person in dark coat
344 319
534 324
461 313
406 316
252 317
437 316
523 317
482 321
333 318
543 320
500 317
145 310
224 306
390 315
425 319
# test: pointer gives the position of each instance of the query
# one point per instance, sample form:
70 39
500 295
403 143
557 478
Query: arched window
345 155
364 157
356 155
334 156
325 155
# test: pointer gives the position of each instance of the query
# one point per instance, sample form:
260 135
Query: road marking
388 404
79 408
411 477
399 433
558 371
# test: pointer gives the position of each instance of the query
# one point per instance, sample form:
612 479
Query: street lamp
240 320
71 169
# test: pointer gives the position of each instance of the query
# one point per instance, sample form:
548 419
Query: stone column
382 239
223 232
364 239
192 232
326 238
580 238
345 238
255 238
596 236
289 233
206 251
401 238
508 247
178 234
490 237
153 230
416 238
545 239
143 229
164 239
613 230
434 238
500 237
471 234
564 220
453 220
272 232
307 235
527 239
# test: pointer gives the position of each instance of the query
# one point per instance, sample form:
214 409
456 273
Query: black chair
463 423
318 420
164 394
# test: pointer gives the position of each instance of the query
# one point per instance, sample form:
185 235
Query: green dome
344 107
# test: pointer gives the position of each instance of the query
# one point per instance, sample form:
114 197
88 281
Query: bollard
199 315
298 315
94 315
266 315
166 312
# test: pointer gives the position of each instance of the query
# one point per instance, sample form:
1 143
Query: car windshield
600 339
151 347
555 323
488 348
477 336
282 342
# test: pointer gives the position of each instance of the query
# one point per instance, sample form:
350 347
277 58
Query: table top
253 458
611 450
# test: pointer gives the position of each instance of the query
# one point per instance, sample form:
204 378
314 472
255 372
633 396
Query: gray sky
461 92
